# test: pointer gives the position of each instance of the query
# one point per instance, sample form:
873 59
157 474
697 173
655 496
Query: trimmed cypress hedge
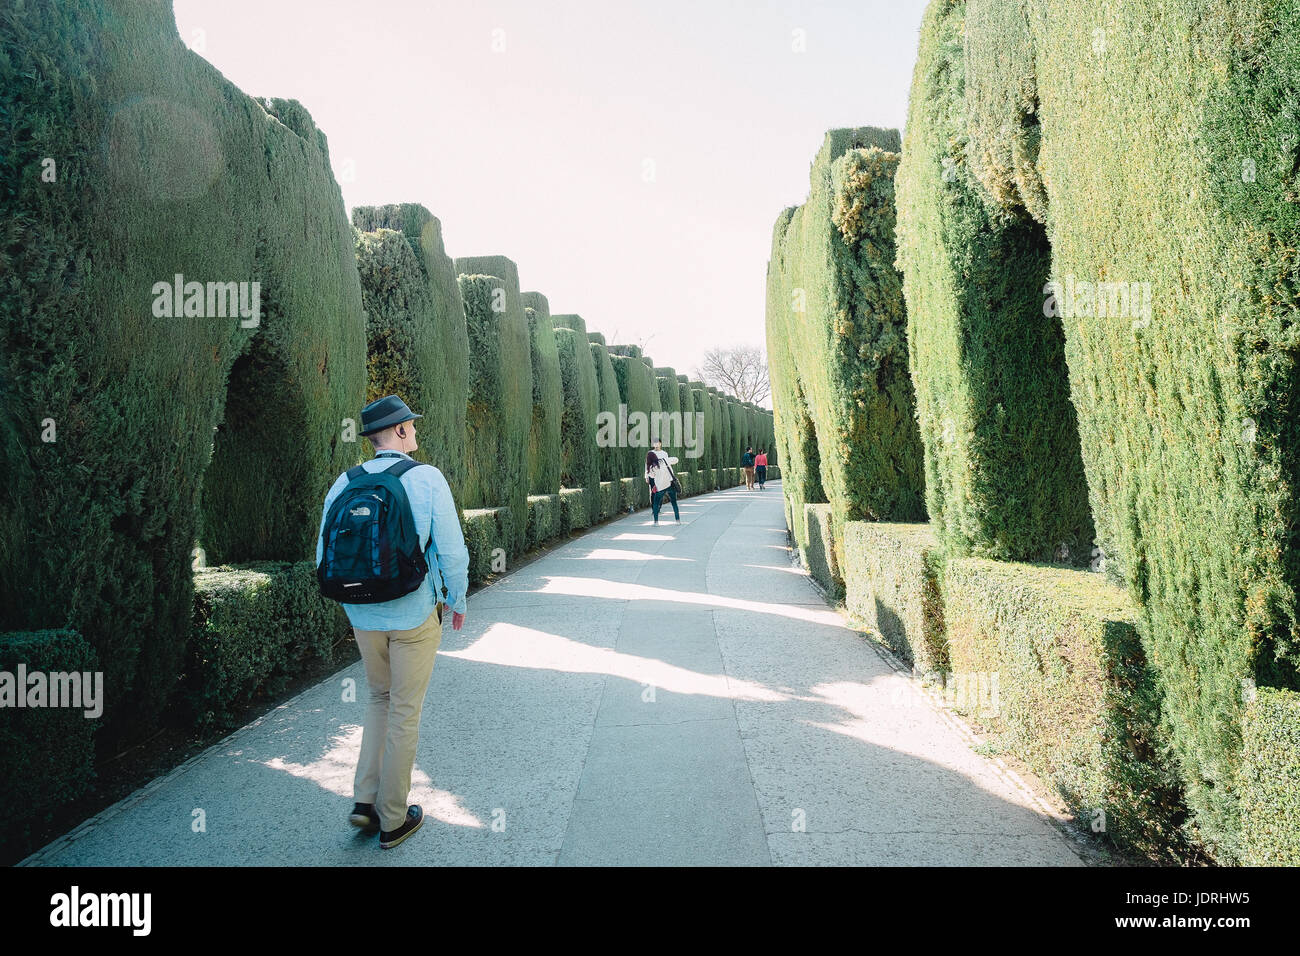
819 555
629 493
46 753
255 628
700 427
610 455
543 519
575 508
892 585
418 345
154 149
488 533
1074 699
581 466
499 415
670 405
848 345
637 390
545 458
609 498
717 434
1269 779
796 436
1186 398
1003 472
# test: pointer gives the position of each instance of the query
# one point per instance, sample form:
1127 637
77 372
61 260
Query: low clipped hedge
46 753
575 512
608 498
255 627
543 519
892 586
1073 697
819 553
629 494
1268 780
486 530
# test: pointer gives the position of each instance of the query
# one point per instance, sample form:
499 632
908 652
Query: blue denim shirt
438 524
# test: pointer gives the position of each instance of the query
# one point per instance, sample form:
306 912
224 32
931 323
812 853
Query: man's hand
457 621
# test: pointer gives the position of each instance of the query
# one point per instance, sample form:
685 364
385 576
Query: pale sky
631 158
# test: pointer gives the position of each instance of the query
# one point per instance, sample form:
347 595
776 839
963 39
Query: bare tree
740 370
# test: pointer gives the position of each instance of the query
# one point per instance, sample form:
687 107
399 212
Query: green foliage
499 413
46 753
609 498
581 466
836 302
670 403
633 493
892 585
819 555
610 458
1187 412
255 628
488 533
701 426
1002 124
1075 699
1004 477
796 437
636 388
543 519
576 508
1269 779
544 452
418 345
154 149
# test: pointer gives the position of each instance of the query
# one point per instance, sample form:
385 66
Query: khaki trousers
749 476
398 667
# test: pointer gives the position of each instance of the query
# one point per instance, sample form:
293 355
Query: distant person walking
747 463
659 475
382 519
760 468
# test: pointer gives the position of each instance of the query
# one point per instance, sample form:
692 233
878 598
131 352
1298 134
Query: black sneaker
364 816
414 819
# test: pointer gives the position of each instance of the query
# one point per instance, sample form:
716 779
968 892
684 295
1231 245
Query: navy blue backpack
371 547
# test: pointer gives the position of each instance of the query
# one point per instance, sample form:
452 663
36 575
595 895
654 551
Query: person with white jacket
659 475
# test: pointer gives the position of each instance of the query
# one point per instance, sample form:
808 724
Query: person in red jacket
760 467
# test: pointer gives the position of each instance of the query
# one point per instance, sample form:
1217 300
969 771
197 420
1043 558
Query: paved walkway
640 695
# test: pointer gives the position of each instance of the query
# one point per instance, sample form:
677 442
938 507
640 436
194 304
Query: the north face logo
359 511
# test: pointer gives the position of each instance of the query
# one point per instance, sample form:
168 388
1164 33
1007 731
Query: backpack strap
403 466
355 472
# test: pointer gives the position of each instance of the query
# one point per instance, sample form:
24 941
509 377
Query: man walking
381 521
747 463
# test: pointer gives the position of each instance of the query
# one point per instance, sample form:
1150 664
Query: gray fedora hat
385 413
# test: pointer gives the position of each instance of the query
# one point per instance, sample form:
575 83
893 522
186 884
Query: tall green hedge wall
670 402
700 426
796 436
1185 398
611 458
637 390
415 318
1003 472
500 411
112 410
581 464
544 457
